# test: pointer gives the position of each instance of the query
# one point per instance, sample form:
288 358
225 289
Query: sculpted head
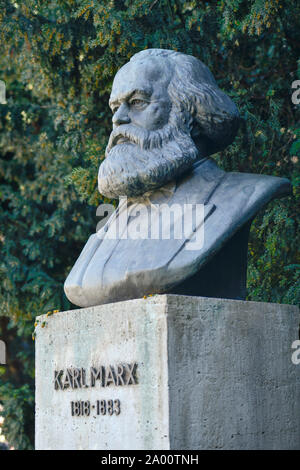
168 112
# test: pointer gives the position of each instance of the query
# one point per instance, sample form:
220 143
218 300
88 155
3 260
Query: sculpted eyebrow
129 95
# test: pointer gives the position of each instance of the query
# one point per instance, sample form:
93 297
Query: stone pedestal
168 372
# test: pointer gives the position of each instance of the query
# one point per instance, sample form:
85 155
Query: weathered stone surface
211 373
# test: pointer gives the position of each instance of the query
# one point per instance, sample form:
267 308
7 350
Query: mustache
145 139
133 170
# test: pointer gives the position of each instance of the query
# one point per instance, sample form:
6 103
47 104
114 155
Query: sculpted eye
115 109
137 102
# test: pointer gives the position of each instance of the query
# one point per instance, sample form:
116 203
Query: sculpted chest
134 264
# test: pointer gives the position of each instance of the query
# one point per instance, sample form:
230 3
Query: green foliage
18 414
58 59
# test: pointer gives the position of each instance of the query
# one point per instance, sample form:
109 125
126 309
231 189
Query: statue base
168 372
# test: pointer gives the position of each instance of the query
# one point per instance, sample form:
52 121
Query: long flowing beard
148 160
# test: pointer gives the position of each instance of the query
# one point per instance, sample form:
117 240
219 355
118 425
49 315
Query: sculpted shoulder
259 189
237 198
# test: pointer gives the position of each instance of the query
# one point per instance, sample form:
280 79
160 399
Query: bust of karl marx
168 116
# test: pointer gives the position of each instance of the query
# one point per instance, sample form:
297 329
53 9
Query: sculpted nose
121 115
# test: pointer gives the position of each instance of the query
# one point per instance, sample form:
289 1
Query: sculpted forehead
151 75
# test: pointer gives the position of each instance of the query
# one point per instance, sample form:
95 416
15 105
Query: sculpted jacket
110 269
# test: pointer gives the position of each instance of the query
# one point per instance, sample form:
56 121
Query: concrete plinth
169 372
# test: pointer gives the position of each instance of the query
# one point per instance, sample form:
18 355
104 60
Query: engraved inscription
102 407
102 376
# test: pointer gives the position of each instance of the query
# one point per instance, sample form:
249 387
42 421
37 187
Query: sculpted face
149 144
139 95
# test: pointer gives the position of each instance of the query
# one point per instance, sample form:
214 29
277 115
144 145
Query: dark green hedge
58 59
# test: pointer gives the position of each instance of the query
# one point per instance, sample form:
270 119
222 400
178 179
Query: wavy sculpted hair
212 117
